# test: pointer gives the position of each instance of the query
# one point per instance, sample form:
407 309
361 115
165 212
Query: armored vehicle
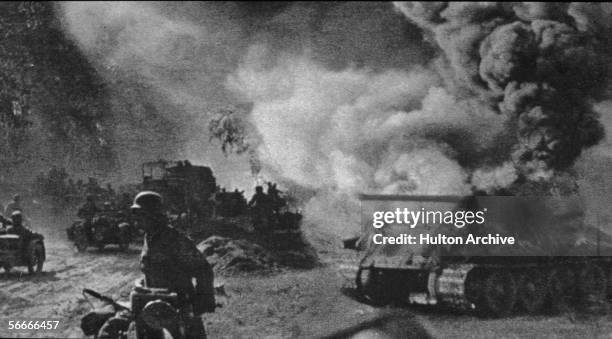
14 252
106 227
231 204
185 188
556 261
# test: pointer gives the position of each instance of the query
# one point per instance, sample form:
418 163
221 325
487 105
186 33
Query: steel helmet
147 200
16 215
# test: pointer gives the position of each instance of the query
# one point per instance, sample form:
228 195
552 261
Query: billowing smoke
359 130
167 63
541 65
364 97
356 130
165 66
510 96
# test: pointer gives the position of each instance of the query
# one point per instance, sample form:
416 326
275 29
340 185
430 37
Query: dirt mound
233 256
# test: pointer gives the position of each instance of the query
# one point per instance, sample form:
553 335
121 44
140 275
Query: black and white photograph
366 170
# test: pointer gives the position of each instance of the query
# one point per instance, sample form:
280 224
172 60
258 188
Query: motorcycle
153 314
104 228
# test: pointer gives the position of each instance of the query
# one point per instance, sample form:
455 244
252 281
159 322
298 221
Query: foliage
229 129
49 93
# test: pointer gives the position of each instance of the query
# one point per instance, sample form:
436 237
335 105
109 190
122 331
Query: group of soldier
266 206
169 259
65 190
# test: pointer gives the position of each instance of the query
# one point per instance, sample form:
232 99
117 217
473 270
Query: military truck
185 188
15 252
557 260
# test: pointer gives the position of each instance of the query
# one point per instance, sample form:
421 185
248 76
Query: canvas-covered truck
555 260
185 188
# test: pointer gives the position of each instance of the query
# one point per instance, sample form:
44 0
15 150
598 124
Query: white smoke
341 130
356 130
180 62
179 58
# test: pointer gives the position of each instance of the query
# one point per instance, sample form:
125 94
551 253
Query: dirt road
56 294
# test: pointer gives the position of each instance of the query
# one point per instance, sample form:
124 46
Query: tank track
518 285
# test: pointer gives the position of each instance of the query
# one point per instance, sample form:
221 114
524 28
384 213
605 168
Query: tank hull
559 261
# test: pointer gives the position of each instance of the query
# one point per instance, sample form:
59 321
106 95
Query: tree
229 128
52 101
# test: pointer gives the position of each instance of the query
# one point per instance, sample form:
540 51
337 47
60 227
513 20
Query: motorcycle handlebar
103 298
94 294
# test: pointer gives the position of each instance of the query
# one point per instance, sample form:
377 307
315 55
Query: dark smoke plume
542 65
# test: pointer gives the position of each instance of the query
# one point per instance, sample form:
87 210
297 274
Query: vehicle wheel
80 241
7 268
361 280
36 259
124 246
591 284
499 294
371 284
124 240
474 283
531 293
560 288
607 268
100 246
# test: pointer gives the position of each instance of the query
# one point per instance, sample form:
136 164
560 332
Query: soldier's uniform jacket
260 201
20 230
87 211
170 260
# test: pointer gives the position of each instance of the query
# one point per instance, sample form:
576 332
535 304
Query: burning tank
556 259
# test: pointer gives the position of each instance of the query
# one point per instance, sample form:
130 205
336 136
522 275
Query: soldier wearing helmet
17 227
261 207
14 205
171 260
87 213
89 209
